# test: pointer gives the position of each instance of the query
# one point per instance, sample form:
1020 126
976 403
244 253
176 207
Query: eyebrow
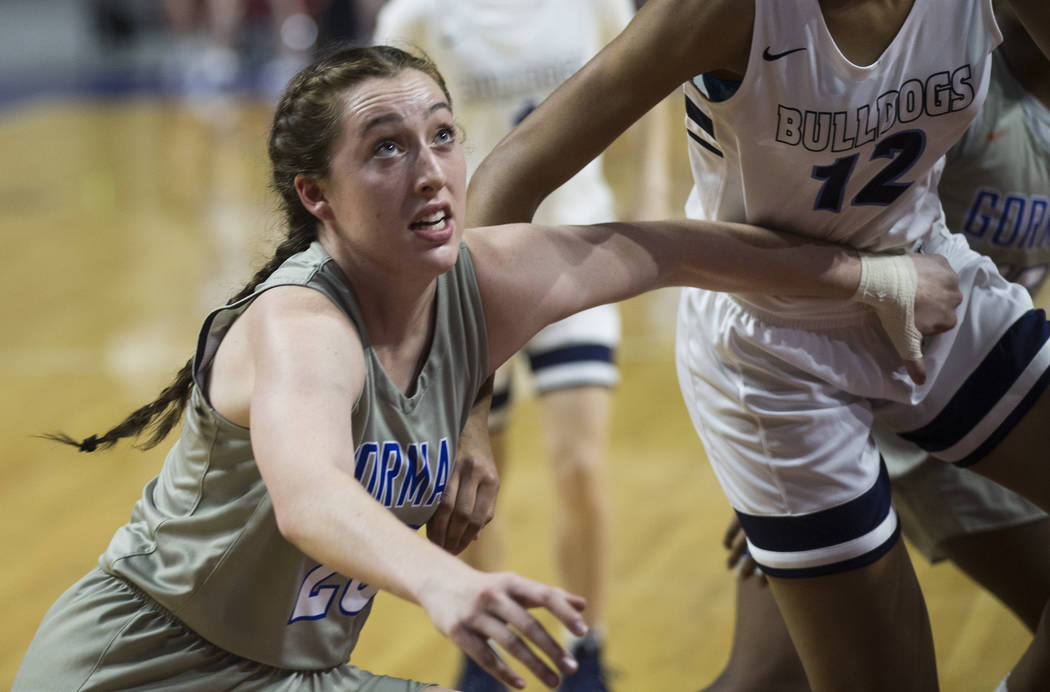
395 117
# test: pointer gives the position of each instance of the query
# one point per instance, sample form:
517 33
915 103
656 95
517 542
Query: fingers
732 531
461 516
466 507
562 604
484 510
737 549
481 651
468 503
528 627
916 370
437 526
504 620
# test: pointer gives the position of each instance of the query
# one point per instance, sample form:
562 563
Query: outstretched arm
303 390
531 275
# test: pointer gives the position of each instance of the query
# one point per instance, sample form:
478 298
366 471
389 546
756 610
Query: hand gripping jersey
814 144
996 181
203 542
500 59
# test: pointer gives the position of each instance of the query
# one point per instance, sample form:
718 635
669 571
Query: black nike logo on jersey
766 55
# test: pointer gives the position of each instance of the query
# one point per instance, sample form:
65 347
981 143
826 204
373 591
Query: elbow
293 519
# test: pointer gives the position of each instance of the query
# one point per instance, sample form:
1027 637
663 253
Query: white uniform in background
501 58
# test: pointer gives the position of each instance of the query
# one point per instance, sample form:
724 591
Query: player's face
397 178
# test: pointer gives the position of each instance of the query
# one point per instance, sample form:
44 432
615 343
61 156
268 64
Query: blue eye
445 135
386 148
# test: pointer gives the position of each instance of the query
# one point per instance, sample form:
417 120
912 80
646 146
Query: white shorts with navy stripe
578 351
785 412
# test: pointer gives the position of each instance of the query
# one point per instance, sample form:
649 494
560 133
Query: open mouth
434 222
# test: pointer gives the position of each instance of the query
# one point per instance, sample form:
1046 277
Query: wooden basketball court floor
124 222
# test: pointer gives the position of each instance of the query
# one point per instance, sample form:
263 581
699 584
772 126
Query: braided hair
306 123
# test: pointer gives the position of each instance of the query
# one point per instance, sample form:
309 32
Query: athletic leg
762 657
574 372
865 629
1011 563
576 427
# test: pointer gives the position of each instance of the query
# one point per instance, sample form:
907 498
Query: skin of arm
570 268
308 370
1035 17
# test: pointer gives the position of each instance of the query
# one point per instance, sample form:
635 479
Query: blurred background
134 198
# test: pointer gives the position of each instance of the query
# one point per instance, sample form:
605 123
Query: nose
430 175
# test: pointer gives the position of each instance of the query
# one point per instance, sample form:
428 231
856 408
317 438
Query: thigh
576 425
940 502
1018 461
1013 563
862 630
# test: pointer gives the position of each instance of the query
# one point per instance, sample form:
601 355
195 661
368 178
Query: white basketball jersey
814 144
500 59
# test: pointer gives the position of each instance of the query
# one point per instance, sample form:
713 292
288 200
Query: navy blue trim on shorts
1008 423
985 386
858 517
837 567
579 353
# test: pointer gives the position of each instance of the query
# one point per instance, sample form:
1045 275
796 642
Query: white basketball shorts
784 410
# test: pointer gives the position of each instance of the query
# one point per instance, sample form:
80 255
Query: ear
312 196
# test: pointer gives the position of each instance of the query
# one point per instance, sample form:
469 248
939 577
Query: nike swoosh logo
992 136
766 55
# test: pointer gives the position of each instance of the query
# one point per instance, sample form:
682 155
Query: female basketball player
324 401
828 117
994 188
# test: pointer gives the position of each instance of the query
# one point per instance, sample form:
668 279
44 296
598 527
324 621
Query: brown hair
306 123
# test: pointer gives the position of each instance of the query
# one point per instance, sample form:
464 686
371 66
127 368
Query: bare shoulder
294 303
286 332
288 323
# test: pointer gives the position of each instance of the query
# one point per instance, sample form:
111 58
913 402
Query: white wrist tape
888 284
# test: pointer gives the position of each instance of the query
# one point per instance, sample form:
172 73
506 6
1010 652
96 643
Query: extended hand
485 607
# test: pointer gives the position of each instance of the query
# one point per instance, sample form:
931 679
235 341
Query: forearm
344 528
730 257
749 259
